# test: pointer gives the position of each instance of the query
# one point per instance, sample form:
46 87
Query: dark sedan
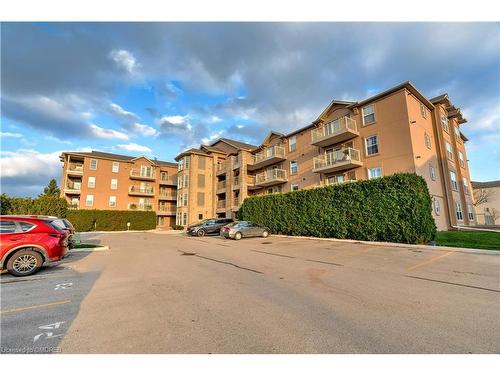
240 229
209 226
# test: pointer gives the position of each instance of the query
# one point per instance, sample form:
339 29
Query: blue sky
158 88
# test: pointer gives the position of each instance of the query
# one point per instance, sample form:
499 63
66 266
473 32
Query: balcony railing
337 160
170 210
138 190
221 185
140 206
269 156
75 168
167 195
236 201
236 181
271 177
221 168
236 162
221 204
142 174
73 186
168 180
339 130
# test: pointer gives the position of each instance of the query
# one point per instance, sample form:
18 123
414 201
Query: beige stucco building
487 195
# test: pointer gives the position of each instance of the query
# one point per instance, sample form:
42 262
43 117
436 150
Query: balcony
73 187
221 205
167 210
138 190
236 162
168 180
221 186
339 130
251 183
271 177
337 161
167 196
269 156
220 168
75 169
138 174
236 183
236 201
140 206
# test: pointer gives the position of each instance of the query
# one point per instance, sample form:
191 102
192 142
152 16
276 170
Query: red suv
27 242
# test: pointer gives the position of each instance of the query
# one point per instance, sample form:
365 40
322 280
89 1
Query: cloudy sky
157 88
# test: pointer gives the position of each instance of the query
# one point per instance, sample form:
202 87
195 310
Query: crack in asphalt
221 261
456 284
324 262
275 254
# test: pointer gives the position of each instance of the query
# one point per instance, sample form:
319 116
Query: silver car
240 229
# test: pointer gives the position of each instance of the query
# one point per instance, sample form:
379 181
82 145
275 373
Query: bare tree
481 196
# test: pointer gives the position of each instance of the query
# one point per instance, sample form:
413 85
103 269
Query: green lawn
85 245
471 239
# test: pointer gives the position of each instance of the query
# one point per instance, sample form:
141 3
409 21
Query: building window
185 180
437 207
368 114
427 139
423 110
371 145
294 187
179 200
185 199
444 123
449 152
112 201
116 167
89 202
332 180
201 199
187 160
432 172
458 209
114 184
374 172
457 134
461 159
466 185
201 162
184 218
292 144
91 182
470 212
453 177
93 164
294 167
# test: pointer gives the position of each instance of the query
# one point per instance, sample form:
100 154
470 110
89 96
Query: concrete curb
119 231
89 249
393 244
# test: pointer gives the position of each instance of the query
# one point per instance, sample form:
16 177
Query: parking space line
19 309
432 260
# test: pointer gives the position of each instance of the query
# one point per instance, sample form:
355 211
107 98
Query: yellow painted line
430 261
19 309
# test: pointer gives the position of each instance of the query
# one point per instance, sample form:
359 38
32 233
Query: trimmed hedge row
111 220
397 208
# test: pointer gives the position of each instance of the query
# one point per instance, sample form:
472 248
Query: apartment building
398 130
487 199
104 181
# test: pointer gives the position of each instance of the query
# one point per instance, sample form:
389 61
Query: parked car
66 225
240 229
28 242
208 226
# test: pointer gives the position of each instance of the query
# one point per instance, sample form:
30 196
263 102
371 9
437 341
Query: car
240 229
66 225
208 226
28 242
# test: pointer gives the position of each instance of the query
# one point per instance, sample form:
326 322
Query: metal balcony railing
141 190
270 152
75 168
270 175
343 156
221 185
147 174
168 179
140 206
334 128
221 204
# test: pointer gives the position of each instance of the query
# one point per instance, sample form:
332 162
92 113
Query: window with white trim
466 185
91 182
368 114
114 184
294 187
461 159
427 140
453 178
112 201
444 123
371 144
337 179
115 168
457 134
437 207
185 199
184 218
470 212
432 172
374 173
458 210
93 164
185 180
449 151
179 200
292 143
294 167
423 110
89 201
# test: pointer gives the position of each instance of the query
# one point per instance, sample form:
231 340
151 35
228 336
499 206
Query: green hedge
111 220
397 208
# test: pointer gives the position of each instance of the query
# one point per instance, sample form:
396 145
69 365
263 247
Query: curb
119 231
394 244
89 249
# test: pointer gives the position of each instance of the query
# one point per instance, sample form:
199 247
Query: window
201 162
201 180
444 123
432 172
461 159
114 184
93 164
185 180
338 179
374 172
200 216
112 201
7 227
368 114
185 199
184 218
371 145
26 227
458 209
294 187
449 152
466 185
292 143
294 167
457 134
470 212
423 110
89 202
179 200
427 139
115 167
91 182
437 207
201 199
187 159
453 177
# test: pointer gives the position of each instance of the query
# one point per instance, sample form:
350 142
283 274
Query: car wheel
265 234
24 263
237 236
200 233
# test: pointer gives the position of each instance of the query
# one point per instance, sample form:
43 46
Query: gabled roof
333 103
118 157
485 184
196 151
237 144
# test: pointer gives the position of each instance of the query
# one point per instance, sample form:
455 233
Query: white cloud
133 147
30 163
124 60
176 120
104 133
10 135
55 139
214 119
144 130
119 111
212 137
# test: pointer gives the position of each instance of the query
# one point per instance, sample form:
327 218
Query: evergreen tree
51 190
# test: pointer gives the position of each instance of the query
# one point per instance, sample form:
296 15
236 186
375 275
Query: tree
51 190
5 204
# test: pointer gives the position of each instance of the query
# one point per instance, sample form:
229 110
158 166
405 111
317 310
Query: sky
156 89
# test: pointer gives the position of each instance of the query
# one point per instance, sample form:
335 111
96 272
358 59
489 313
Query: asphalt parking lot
168 293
